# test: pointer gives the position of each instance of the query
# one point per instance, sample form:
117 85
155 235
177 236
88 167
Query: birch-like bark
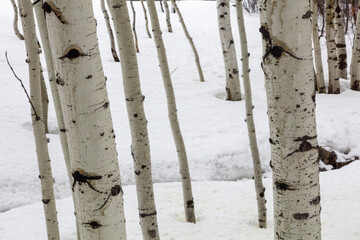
172 113
320 82
44 100
334 85
146 19
91 139
45 174
197 59
110 31
289 81
168 22
233 92
259 186
355 58
140 147
134 26
16 20
340 42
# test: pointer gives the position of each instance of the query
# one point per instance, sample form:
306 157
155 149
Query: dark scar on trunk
50 7
80 178
93 224
115 190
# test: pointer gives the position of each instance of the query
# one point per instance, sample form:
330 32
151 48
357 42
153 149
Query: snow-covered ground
214 131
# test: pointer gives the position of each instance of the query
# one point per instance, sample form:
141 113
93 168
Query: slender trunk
228 48
134 26
259 187
161 6
340 42
16 19
140 147
81 83
355 59
289 82
146 19
110 31
197 59
45 174
172 113
44 101
40 17
168 22
334 86
320 82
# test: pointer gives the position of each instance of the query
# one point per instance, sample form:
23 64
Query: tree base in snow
331 159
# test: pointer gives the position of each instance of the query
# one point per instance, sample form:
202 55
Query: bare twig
23 87
174 70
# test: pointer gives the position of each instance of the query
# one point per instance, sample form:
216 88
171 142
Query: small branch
23 87
173 71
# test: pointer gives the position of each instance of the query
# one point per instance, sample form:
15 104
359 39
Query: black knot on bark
265 33
190 204
94 224
307 15
301 216
115 190
46 7
152 233
315 201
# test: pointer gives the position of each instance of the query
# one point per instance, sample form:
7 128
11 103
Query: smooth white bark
110 31
355 59
45 174
172 113
146 19
134 26
259 186
289 81
340 41
140 147
16 20
233 92
91 139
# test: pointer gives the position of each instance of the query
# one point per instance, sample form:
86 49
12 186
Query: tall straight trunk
110 31
91 139
134 26
197 59
355 59
146 19
45 174
228 49
259 186
16 20
140 147
320 82
289 82
161 6
340 41
172 113
40 17
168 22
334 85
44 100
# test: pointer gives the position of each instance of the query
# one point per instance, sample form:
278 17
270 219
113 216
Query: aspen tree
233 92
340 41
172 113
168 22
334 85
259 187
44 100
320 82
146 19
134 26
197 59
289 82
81 83
355 59
140 147
16 19
45 174
110 31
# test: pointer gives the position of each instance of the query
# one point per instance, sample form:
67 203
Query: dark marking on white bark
72 52
94 224
49 7
284 186
45 201
315 201
301 216
307 15
82 178
152 233
190 204
143 215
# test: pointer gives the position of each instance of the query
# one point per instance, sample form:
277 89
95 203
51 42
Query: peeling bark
110 31
87 117
340 42
140 146
45 173
16 20
197 59
168 22
228 49
172 113
289 82
355 59
259 187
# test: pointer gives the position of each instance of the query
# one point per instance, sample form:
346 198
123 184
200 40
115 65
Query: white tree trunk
146 19
355 59
289 81
340 41
110 31
172 113
45 174
91 139
16 18
334 85
168 22
228 48
320 82
44 100
259 187
134 26
140 147
197 59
